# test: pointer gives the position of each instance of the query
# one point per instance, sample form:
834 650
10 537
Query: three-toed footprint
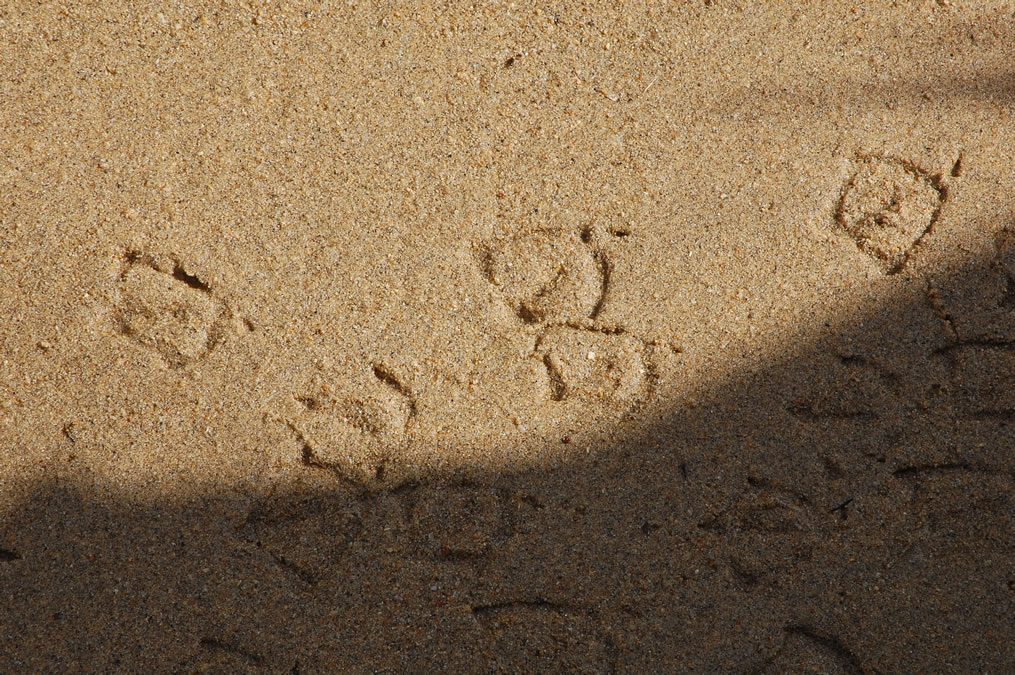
548 276
887 207
357 432
162 306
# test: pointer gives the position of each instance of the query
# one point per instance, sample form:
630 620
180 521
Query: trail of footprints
311 538
556 281
163 307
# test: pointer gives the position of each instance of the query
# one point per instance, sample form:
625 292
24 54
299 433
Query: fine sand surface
599 337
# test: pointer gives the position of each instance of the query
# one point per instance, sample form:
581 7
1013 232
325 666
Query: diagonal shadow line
852 495
937 81
994 87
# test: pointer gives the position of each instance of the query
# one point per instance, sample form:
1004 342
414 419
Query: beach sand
609 337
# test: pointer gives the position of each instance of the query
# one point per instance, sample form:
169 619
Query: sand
609 337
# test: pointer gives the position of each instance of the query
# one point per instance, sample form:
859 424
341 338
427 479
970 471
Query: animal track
457 522
887 207
170 311
356 435
244 655
558 281
844 388
980 305
593 365
767 510
219 656
542 636
773 527
805 650
304 535
984 375
547 275
945 497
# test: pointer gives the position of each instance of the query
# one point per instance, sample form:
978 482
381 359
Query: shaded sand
623 338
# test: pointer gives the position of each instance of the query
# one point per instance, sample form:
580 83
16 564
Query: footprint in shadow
979 305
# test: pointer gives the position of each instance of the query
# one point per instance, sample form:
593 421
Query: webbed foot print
357 435
887 207
548 275
170 311
594 366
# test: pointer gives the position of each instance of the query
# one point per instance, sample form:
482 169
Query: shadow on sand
849 508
